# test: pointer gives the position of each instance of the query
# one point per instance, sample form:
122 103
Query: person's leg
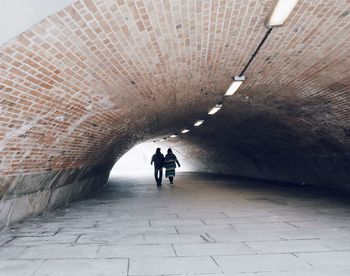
171 179
160 176
156 175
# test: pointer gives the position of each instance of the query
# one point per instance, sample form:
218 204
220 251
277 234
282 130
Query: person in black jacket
158 160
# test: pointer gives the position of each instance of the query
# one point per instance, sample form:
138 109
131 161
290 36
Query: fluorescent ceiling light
198 123
161 140
281 11
215 109
185 130
173 136
234 86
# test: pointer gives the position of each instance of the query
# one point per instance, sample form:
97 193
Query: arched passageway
82 82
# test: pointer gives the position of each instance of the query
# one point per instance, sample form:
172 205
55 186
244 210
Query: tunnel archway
89 81
137 160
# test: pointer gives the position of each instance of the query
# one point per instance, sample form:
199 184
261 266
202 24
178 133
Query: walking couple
168 162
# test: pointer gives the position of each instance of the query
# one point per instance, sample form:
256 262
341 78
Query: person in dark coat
158 160
170 162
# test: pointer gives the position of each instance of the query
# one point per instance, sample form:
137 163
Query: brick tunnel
82 82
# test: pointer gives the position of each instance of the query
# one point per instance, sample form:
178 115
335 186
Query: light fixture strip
215 109
235 85
282 9
198 123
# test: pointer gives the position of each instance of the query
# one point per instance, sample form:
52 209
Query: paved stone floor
203 225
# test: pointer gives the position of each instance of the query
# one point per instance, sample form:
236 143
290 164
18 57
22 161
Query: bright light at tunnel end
280 12
137 161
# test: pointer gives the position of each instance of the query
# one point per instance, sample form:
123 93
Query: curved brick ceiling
85 84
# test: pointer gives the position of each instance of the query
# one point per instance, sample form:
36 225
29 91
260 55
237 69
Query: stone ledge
24 196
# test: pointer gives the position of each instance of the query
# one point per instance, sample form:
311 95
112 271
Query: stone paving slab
120 230
98 267
338 244
73 224
288 246
4 239
199 227
144 230
176 222
122 224
286 218
135 251
243 237
322 224
65 230
327 259
229 221
325 234
148 216
240 212
59 252
261 263
141 239
194 229
26 232
19 267
34 240
108 239
213 249
201 215
11 253
168 266
263 227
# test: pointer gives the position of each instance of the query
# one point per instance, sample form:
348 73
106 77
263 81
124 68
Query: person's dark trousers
158 174
171 179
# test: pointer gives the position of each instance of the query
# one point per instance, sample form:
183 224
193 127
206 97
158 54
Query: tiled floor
203 225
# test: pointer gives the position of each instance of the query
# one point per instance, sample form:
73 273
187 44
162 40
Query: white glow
281 11
173 136
185 130
198 123
161 140
215 109
137 161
